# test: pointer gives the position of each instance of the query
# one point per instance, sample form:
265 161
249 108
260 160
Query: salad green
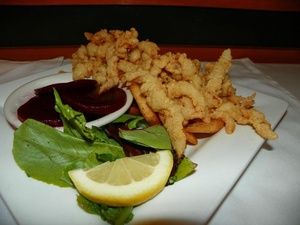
184 169
47 154
113 215
74 121
156 137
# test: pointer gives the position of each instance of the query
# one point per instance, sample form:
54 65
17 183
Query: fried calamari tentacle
167 109
258 121
184 88
216 76
230 112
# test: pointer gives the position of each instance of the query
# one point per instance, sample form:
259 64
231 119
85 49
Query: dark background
64 25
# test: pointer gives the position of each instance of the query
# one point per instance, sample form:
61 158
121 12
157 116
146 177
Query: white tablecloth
268 193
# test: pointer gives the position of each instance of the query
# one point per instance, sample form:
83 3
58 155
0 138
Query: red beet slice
41 109
93 104
77 85
81 95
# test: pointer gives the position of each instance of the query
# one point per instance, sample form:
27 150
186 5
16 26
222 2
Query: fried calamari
170 88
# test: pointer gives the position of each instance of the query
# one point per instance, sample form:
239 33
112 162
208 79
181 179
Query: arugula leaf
184 169
47 154
132 121
74 121
155 137
100 135
113 215
75 126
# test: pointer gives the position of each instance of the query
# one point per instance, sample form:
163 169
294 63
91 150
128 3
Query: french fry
200 127
190 138
145 110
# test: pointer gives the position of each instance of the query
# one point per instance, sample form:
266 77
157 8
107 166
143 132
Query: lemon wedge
127 181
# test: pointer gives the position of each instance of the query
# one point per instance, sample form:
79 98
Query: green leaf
184 169
155 137
113 215
47 154
87 205
101 136
125 118
132 121
74 121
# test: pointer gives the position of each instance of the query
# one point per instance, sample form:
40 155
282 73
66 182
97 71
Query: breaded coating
179 90
169 111
216 76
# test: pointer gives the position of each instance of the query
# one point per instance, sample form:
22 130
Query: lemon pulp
127 181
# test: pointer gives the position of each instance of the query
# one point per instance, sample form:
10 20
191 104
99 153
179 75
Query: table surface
286 76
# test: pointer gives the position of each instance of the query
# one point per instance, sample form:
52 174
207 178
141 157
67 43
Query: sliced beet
81 95
92 103
41 109
77 85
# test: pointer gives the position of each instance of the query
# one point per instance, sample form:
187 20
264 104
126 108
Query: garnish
49 155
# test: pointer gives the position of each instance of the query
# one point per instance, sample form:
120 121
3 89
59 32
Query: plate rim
10 106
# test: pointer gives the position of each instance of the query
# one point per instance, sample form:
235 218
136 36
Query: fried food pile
186 96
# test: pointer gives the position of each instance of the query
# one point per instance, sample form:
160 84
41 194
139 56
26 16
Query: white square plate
221 161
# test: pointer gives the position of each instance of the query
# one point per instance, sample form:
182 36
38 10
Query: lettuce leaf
101 136
184 169
133 122
112 215
74 121
154 137
47 154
